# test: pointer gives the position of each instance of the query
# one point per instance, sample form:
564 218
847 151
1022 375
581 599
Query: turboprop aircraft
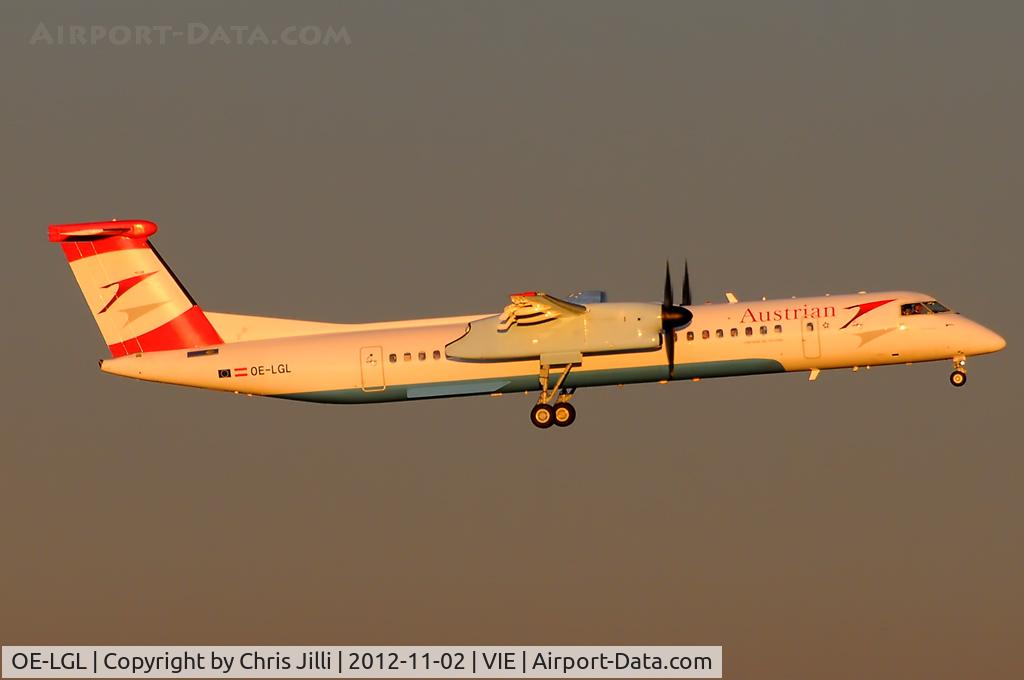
539 343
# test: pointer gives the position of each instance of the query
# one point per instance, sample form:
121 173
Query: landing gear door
371 362
811 338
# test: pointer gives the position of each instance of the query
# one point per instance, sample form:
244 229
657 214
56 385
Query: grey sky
866 524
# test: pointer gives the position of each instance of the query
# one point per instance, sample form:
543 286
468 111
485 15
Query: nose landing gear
958 378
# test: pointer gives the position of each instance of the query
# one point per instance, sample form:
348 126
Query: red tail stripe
190 329
76 250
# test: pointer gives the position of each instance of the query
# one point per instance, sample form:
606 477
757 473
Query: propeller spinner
674 316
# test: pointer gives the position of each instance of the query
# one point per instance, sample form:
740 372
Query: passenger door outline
810 337
371 365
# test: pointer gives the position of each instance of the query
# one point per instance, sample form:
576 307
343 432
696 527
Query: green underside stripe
521 383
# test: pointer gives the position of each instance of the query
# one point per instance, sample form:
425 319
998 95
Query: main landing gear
958 378
559 412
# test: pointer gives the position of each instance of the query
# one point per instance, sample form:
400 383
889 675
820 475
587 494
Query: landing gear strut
553 407
958 378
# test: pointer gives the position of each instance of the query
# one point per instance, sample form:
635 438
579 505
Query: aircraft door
810 335
371 362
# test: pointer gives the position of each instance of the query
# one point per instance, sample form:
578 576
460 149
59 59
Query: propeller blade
686 301
668 286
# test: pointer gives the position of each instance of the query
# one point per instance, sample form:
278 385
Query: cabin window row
733 332
407 356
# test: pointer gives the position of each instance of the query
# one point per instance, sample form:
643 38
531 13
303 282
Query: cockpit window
924 307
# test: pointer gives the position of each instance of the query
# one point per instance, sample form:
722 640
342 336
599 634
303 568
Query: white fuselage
394 361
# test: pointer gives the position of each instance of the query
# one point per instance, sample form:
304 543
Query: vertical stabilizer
137 301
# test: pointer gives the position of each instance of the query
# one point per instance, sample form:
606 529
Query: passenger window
734 332
719 333
689 335
749 331
437 354
422 356
778 328
764 330
407 356
810 326
705 335
392 358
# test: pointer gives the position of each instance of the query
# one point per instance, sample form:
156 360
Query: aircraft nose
991 341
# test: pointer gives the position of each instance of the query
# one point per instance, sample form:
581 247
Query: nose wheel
958 378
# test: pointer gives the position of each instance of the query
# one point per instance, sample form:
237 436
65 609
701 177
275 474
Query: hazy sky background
866 525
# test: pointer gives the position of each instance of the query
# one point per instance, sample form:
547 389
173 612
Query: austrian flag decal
232 373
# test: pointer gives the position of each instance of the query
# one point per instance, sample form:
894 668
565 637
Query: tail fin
136 300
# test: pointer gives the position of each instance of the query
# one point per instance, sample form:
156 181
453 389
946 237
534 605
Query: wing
532 307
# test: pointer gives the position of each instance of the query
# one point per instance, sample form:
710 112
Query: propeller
674 316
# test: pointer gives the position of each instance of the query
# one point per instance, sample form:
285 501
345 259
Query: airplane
156 331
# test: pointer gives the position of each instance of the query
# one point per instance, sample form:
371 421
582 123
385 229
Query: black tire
565 414
542 416
958 378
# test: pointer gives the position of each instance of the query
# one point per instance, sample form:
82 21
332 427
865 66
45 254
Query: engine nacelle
603 327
